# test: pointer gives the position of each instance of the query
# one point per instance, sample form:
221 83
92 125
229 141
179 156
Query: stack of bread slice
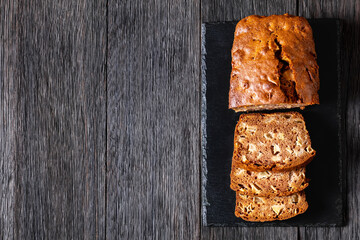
268 166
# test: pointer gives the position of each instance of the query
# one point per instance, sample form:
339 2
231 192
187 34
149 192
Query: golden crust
273 64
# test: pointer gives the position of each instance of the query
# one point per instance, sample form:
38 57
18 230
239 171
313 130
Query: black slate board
324 123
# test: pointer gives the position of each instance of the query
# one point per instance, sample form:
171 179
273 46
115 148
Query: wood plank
153 120
321 233
348 11
268 233
8 118
219 10
61 120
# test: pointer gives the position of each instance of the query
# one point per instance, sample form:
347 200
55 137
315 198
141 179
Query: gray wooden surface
100 112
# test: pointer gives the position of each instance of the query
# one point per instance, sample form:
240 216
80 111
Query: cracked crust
268 183
273 64
262 209
275 141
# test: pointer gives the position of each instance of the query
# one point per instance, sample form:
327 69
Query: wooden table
100 117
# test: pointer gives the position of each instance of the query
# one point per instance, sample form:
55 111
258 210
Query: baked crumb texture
271 151
273 64
268 183
276 141
261 209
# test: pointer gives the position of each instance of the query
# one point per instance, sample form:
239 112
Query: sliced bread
262 209
268 183
275 141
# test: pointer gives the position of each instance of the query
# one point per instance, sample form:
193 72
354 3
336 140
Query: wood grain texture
84 90
153 109
61 120
233 10
8 118
349 13
249 233
218 10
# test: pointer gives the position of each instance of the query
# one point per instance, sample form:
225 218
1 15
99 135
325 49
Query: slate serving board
324 123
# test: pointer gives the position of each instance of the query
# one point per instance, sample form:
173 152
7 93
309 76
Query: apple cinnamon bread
261 209
273 64
268 183
275 141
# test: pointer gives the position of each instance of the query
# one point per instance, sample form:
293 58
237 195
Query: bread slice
262 209
268 183
273 64
275 141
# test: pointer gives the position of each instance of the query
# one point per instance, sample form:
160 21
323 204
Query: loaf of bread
261 209
275 141
268 183
273 64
